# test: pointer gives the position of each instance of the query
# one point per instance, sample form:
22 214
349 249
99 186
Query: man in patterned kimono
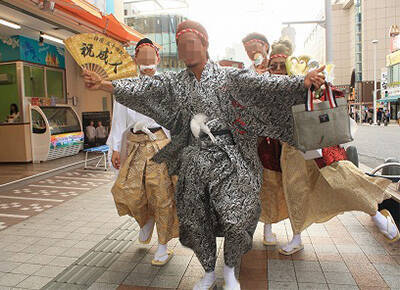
143 189
216 160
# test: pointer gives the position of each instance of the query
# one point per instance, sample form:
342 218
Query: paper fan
101 54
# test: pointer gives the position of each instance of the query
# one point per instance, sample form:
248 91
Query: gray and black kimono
219 183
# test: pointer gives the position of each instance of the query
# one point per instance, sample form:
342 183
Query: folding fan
101 54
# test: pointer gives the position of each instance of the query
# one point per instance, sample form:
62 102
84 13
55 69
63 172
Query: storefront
392 97
42 96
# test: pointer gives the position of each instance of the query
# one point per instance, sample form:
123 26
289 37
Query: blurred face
277 66
99 123
256 47
91 123
147 60
13 108
191 50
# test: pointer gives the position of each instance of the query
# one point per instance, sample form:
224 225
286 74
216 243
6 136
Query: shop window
359 67
55 84
34 81
158 39
10 109
358 28
165 24
396 73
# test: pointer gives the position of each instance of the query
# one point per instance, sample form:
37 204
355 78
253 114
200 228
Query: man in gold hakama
143 188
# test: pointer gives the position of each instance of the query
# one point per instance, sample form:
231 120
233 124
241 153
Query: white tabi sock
268 234
206 282
145 232
230 280
382 223
161 253
294 243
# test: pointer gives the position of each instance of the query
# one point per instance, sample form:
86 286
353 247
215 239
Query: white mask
150 67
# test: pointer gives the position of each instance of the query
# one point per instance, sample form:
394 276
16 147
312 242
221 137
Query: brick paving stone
20 257
103 286
49 271
328 266
112 277
41 259
8 266
34 282
166 281
307 266
172 270
313 286
387 269
366 275
285 285
139 281
11 279
281 276
194 271
310 277
280 265
329 257
27 269
62 261
73 252
331 249
253 285
253 274
121 267
339 278
342 287
393 281
307 254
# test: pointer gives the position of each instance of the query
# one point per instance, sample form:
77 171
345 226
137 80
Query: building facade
356 23
392 90
159 24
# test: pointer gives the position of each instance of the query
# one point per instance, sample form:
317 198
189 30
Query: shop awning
108 24
389 99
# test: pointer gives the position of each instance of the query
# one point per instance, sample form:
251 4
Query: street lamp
374 42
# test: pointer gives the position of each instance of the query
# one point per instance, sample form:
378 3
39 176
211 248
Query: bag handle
328 95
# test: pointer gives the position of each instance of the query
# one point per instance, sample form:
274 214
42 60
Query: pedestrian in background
398 117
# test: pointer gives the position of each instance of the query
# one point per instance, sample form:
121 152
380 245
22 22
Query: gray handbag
320 125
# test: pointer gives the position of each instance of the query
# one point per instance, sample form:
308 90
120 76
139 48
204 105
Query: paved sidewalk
83 244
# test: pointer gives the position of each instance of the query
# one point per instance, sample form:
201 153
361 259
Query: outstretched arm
151 96
256 89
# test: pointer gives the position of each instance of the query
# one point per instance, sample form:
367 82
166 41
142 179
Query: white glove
139 126
198 125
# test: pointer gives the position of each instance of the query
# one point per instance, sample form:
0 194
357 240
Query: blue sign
27 49
9 48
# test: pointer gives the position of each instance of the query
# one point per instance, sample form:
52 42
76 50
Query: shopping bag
324 124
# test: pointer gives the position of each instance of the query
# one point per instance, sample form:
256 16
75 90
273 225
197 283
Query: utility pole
374 42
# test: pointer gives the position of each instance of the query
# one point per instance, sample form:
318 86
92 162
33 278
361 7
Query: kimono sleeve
267 102
260 90
150 96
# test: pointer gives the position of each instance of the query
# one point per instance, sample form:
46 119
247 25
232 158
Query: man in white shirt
91 134
143 189
101 133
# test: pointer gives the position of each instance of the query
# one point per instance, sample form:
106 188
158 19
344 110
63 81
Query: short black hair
143 40
256 35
